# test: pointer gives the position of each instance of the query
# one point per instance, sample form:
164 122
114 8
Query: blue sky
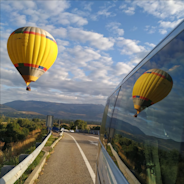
99 42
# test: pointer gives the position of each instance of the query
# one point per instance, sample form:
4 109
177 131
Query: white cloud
6 7
80 13
128 10
67 18
134 28
5 33
20 5
122 68
17 19
104 11
162 31
41 12
171 9
87 6
129 46
123 6
81 55
163 9
168 24
95 39
59 32
114 28
61 45
150 29
84 71
150 44
53 8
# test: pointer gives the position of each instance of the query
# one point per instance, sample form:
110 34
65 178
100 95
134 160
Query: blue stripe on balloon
49 38
41 67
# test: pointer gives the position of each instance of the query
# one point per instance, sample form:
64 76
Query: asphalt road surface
73 161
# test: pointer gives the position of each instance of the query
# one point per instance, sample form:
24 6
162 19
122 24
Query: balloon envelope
150 88
32 51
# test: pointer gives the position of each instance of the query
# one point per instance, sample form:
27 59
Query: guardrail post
5 169
22 157
37 144
15 173
44 137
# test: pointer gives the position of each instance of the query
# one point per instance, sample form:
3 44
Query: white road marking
95 143
91 172
94 137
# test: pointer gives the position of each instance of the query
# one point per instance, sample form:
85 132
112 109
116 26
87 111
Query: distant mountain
10 112
123 126
5 109
60 110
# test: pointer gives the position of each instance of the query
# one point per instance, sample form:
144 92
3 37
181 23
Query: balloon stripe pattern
32 51
151 87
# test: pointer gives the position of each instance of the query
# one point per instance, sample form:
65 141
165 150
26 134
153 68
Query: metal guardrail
96 132
13 175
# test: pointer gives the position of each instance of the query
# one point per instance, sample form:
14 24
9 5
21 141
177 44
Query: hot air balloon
150 88
32 51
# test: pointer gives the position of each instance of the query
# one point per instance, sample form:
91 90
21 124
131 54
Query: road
73 160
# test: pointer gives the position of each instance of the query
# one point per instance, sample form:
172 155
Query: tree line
71 125
141 158
13 130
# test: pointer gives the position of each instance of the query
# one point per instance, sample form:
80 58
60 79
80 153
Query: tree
65 127
72 126
12 133
95 128
81 124
35 119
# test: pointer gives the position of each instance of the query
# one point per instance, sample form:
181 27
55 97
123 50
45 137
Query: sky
99 42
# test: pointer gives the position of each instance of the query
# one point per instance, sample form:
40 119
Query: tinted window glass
152 145
108 112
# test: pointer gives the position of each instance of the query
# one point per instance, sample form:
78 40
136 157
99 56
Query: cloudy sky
99 42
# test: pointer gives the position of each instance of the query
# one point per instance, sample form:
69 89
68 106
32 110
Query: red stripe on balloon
27 64
12 33
141 97
30 32
30 65
158 74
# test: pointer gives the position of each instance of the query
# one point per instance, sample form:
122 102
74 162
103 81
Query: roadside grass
26 174
15 160
111 155
27 146
51 140
28 171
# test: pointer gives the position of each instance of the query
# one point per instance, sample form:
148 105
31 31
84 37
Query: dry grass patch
91 126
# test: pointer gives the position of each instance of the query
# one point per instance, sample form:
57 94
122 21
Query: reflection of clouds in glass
173 68
165 118
157 117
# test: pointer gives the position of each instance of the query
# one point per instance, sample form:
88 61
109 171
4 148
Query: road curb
35 173
52 146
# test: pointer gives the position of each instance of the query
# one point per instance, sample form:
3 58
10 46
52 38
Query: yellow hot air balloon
32 51
150 88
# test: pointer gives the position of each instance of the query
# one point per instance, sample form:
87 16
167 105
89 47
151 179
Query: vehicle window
105 127
152 145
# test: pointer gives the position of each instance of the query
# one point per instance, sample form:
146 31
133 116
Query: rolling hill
60 110
11 112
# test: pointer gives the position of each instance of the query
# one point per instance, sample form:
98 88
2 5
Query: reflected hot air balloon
150 88
32 51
